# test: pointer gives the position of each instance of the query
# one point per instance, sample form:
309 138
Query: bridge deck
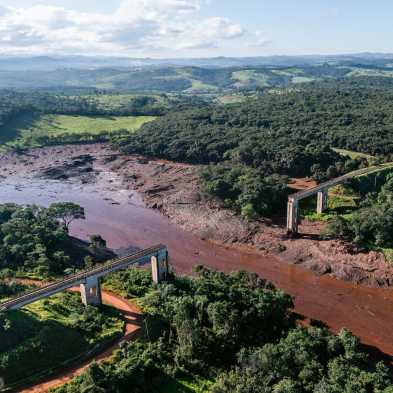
293 199
338 180
75 279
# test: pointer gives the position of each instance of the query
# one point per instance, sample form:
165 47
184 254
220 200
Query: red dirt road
132 317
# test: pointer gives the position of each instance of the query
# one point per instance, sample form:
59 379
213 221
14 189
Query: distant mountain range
42 63
190 76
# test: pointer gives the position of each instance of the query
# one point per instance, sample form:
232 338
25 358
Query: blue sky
175 28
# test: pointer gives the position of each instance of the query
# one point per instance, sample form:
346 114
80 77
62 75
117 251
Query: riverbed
119 215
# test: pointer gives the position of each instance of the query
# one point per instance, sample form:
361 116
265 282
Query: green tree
66 212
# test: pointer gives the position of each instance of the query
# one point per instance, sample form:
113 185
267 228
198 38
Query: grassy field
198 85
231 99
48 334
115 102
246 77
356 72
28 127
302 79
353 154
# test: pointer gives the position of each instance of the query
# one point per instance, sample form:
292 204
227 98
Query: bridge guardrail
80 276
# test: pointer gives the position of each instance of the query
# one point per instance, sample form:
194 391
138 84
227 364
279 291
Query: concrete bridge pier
322 201
293 215
160 266
89 280
91 291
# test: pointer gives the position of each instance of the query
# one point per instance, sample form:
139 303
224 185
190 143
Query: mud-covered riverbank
118 213
174 190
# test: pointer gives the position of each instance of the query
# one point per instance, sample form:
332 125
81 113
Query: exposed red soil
174 189
299 184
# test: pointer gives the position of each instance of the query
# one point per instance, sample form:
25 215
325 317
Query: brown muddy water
121 218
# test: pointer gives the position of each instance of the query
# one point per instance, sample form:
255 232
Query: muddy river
121 218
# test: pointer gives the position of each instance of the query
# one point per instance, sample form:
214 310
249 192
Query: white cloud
260 39
200 34
136 27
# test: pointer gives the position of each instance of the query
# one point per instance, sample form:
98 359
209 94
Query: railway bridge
89 280
321 191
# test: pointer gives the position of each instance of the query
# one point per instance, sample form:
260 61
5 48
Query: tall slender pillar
91 291
292 215
322 201
160 266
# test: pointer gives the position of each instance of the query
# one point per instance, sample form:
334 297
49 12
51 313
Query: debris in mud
109 158
319 268
158 189
78 167
174 189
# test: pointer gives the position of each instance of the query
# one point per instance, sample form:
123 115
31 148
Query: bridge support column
91 291
160 266
292 215
322 201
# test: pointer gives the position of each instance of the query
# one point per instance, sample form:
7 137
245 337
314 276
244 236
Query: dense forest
225 334
272 127
36 240
291 133
371 224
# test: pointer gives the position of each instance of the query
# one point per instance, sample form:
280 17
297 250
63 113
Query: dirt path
132 318
300 184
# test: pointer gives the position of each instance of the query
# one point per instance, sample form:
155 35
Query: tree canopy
36 239
231 333
372 223
251 145
66 212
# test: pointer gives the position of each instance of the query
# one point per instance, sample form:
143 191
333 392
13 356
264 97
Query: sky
195 28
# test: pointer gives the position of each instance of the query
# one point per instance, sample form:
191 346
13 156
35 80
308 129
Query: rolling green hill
192 79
